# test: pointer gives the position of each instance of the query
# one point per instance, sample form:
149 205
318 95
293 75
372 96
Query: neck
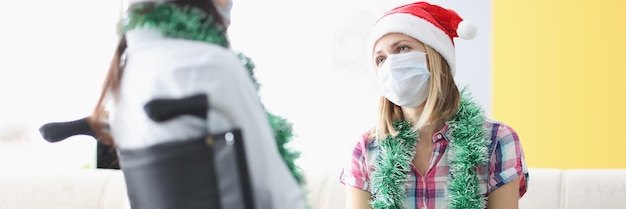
413 114
426 133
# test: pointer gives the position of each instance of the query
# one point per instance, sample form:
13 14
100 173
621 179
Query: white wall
53 55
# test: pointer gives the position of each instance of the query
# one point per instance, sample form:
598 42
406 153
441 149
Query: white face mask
225 11
404 78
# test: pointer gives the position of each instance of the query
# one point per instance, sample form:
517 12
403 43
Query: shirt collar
441 134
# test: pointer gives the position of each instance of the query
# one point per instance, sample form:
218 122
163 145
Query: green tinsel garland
282 129
392 166
177 22
468 148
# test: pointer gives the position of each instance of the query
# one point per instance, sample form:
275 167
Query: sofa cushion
75 189
333 193
323 188
594 188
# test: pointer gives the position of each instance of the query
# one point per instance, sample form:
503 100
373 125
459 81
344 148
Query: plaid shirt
506 163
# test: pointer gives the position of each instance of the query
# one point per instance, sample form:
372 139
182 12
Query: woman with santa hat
432 147
179 48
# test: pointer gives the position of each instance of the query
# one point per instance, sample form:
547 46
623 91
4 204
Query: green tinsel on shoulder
281 127
468 146
392 166
247 62
283 134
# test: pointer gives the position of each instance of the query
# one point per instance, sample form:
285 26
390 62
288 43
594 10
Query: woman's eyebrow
394 45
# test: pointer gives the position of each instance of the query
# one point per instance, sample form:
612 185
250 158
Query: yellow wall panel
559 79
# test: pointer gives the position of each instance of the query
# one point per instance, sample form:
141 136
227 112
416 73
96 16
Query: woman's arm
505 197
508 173
357 198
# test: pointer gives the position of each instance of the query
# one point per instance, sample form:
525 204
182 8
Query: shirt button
438 137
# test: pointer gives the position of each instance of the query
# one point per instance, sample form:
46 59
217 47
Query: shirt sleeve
355 172
507 159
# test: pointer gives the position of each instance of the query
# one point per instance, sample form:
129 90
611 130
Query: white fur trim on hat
466 30
417 28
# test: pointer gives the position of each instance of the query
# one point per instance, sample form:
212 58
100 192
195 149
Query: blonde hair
441 105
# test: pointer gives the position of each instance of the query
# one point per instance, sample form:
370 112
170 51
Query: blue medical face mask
404 78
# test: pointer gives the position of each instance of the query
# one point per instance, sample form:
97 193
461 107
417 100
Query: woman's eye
380 60
403 48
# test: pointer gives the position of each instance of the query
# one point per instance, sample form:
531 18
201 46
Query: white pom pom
466 30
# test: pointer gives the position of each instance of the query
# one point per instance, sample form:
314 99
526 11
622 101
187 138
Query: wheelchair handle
160 110
59 131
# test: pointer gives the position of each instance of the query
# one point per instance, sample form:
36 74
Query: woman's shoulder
182 53
506 161
369 138
498 129
366 141
502 135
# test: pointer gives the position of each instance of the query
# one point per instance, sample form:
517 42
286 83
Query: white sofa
547 189
105 189
64 189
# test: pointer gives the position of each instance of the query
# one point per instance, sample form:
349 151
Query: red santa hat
430 24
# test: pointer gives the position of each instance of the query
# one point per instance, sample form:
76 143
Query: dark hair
111 84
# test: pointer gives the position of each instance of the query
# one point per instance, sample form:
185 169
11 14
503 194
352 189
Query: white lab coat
161 67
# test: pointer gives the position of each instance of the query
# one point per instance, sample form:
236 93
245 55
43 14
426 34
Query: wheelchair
208 172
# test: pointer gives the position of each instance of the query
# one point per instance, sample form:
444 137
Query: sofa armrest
594 188
544 189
